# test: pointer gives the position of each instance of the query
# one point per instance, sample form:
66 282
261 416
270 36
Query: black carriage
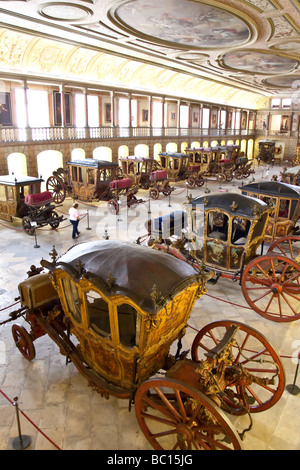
41 212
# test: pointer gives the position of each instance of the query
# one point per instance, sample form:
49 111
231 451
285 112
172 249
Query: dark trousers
75 228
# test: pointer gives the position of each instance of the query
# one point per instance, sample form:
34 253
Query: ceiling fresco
236 52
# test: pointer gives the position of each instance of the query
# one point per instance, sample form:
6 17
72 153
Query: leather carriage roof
233 203
273 188
90 162
125 268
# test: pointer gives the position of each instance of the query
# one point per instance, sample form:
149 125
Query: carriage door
129 324
283 218
98 344
216 240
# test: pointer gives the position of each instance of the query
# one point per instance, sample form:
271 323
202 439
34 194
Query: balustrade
15 134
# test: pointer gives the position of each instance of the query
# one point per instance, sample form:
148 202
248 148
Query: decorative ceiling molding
189 47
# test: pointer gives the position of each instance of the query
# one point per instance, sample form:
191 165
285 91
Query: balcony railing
37 134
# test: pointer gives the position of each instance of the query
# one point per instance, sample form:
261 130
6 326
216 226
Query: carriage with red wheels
86 180
119 312
227 233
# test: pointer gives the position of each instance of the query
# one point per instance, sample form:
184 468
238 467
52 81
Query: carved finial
205 200
155 294
80 267
111 280
53 254
234 206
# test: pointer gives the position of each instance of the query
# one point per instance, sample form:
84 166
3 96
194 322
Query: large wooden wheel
113 206
173 416
55 185
271 286
27 227
54 224
24 341
255 380
153 193
288 246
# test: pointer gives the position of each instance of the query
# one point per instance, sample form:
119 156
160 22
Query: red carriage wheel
154 193
56 186
113 206
259 379
176 416
271 286
24 341
288 246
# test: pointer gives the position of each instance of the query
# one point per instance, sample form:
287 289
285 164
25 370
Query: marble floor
57 408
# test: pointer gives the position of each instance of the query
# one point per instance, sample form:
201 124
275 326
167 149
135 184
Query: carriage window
240 229
82 175
72 298
217 225
284 205
74 173
2 193
269 200
90 176
129 326
98 313
10 193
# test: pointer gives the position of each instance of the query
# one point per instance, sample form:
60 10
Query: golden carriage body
226 232
175 164
13 191
218 161
115 309
85 180
138 169
285 198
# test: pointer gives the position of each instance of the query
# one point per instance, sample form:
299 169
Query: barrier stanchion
36 245
293 388
22 441
88 220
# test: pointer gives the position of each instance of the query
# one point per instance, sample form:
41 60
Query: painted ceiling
232 52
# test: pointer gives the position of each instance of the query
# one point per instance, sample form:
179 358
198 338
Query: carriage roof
92 163
173 154
273 188
135 158
124 268
235 204
11 180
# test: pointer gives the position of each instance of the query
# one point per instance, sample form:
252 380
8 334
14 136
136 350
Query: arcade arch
47 162
17 164
141 150
102 153
78 154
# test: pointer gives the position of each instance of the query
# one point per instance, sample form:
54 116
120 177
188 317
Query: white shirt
73 213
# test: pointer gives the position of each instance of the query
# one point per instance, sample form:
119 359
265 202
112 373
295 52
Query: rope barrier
31 422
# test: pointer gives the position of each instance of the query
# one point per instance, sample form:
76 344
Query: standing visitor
74 219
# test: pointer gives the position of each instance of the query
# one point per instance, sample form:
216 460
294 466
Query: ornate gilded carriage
13 191
285 199
139 169
224 232
115 308
84 180
227 230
